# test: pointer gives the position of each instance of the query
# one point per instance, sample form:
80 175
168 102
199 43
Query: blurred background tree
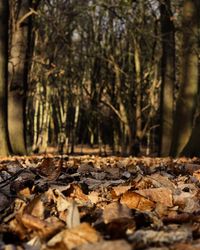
103 73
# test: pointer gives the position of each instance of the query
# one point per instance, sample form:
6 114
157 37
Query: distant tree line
123 73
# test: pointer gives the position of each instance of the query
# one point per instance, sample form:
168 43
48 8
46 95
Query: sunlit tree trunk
18 73
138 82
74 130
45 120
4 148
187 99
192 148
168 77
62 111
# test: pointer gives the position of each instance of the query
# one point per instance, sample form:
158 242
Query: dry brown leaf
106 245
58 246
196 174
75 237
119 228
76 192
116 210
86 168
49 168
4 202
119 220
24 180
161 195
162 181
18 228
34 243
43 228
191 167
119 190
144 238
161 210
98 175
93 197
62 203
114 172
186 246
26 192
136 201
19 206
33 223
180 218
36 208
187 202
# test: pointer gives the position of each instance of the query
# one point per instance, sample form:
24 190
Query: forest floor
103 203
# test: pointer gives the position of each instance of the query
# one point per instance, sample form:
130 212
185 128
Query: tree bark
167 76
138 82
187 99
4 144
18 70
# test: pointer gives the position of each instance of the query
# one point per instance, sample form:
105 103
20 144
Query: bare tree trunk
18 74
138 81
187 99
74 129
124 121
43 137
4 145
192 148
168 77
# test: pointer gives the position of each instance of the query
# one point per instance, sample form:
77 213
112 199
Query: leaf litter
102 203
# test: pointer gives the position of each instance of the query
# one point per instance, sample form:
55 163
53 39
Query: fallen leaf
76 192
159 180
113 172
62 203
161 195
75 237
136 201
187 202
44 229
93 197
115 210
4 201
144 238
186 246
18 228
34 243
73 216
196 174
36 207
106 245
191 167
49 168
119 190
86 168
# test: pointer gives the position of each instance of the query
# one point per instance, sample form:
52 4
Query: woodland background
120 73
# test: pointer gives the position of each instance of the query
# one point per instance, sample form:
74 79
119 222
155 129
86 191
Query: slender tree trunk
44 135
126 133
18 74
168 77
138 82
4 145
36 118
192 148
74 129
187 99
